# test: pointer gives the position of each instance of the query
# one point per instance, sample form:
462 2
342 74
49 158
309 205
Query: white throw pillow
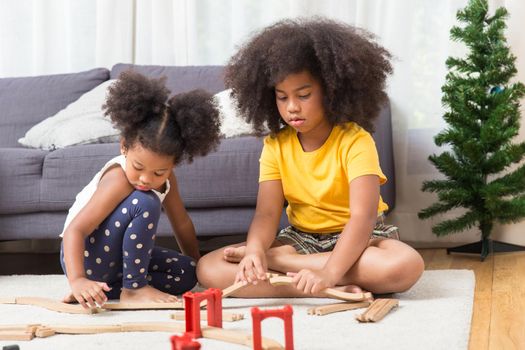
232 123
81 122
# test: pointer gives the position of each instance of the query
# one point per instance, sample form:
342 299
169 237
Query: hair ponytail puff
133 100
198 122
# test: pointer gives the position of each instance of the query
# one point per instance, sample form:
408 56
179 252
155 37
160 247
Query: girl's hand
89 293
252 268
310 281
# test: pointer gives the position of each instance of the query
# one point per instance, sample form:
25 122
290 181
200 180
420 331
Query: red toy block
184 342
192 302
285 314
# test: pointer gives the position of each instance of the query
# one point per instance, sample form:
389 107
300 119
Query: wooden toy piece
226 292
377 310
7 300
18 332
331 308
44 332
192 302
85 329
58 306
184 342
16 335
19 327
285 314
226 316
331 292
49 304
143 306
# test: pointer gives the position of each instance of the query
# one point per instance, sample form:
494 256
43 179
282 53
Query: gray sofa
37 187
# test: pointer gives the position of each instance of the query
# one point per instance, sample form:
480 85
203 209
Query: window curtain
58 36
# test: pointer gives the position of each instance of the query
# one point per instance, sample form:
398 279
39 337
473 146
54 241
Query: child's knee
207 271
405 271
145 200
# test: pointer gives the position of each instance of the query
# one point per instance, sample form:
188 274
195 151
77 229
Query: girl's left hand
310 281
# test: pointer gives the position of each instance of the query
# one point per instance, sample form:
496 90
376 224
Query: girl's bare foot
234 254
351 288
69 298
146 294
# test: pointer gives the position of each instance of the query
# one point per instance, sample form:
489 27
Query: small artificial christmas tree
482 113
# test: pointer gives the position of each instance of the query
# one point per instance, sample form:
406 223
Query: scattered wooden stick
55 305
44 332
7 300
16 335
377 310
331 308
143 306
18 332
59 306
226 316
331 292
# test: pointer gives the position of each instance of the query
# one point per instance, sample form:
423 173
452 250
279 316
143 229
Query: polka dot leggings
121 251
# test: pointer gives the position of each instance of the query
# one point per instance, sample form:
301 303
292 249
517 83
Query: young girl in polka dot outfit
108 248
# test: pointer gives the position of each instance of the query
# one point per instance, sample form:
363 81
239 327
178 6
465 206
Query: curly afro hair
183 126
351 68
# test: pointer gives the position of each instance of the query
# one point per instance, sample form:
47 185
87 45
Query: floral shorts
310 243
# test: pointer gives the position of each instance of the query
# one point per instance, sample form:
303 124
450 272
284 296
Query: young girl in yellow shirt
316 85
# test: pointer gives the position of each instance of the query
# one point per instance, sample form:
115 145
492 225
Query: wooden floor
498 320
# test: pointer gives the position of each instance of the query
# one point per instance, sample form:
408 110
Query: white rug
434 314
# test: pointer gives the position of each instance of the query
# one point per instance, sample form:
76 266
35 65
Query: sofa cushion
225 178
182 78
67 170
20 175
29 100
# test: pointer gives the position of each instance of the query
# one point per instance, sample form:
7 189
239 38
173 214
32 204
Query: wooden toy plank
232 289
54 305
173 327
380 313
334 293
143 306
7 300
16 335
44 332
19 327
58 306
85 329
377 310
331 308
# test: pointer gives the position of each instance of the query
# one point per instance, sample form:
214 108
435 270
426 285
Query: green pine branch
464 222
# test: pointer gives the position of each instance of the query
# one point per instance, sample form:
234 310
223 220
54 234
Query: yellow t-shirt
316 184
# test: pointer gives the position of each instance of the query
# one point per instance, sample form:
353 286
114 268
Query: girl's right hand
252 268
89 293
